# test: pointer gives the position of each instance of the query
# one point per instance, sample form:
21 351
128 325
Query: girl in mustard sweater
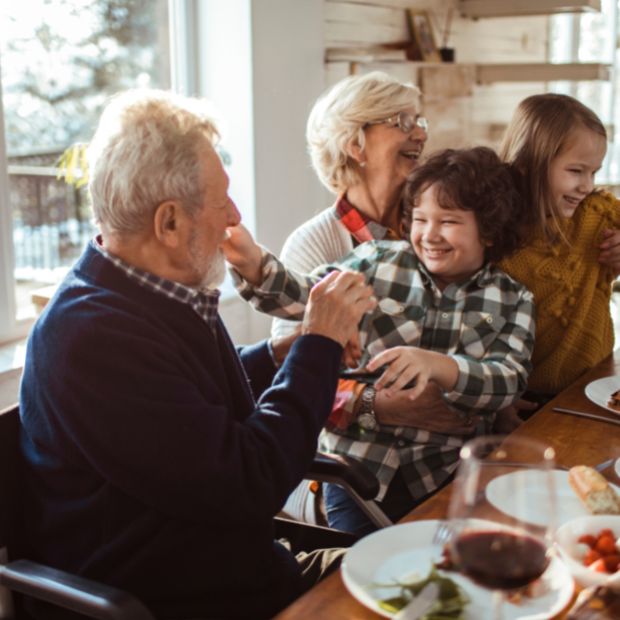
558 144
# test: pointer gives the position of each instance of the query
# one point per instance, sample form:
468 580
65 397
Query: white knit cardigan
321 240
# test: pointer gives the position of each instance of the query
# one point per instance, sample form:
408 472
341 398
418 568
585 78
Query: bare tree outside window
61 60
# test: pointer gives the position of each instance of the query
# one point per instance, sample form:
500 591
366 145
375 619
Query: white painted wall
261 63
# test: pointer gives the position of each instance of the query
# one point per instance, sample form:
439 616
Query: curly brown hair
475 180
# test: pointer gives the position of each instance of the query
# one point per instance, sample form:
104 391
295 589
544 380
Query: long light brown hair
541 128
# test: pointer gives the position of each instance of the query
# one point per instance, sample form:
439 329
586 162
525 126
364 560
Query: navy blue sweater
150 465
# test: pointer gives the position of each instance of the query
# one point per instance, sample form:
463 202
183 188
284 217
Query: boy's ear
167 221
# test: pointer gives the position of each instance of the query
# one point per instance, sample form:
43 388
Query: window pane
61 60
591 37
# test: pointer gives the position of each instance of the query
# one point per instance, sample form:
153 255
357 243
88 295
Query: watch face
367 421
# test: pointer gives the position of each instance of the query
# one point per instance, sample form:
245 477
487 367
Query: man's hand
243 253
610 250
336 306
429 412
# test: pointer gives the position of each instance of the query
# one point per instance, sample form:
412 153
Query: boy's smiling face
447 241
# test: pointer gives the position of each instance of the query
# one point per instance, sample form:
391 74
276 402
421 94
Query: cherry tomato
611 563
591 556
587 539
606 545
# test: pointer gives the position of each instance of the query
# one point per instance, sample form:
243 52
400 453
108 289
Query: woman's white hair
147 149
339 116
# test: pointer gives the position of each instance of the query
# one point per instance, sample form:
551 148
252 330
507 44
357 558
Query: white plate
600 390
502 492
401 551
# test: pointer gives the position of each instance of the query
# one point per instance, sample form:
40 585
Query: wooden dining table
576 440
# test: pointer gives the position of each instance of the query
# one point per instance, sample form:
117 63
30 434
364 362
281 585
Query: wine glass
502 513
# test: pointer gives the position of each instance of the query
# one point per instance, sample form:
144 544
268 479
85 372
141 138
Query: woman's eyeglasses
405 121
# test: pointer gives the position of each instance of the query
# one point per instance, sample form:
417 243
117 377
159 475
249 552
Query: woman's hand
429 412
610 250
243 253
281 345
407 364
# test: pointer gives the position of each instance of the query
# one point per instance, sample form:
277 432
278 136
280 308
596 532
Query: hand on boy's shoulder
610 250
507 420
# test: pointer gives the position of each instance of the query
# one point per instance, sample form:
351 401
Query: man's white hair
147 149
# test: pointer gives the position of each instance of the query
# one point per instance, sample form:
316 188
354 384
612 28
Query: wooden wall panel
399 4
461 113
500 40
348 24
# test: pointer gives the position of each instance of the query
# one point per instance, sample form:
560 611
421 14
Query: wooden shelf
482 74
541 72
475 9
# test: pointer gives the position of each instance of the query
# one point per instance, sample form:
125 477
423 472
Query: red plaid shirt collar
361 227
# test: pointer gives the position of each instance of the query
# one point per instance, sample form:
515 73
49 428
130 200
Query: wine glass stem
498 604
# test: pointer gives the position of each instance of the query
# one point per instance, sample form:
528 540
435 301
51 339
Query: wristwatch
366 414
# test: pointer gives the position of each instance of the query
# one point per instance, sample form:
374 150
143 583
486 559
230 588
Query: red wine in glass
501 560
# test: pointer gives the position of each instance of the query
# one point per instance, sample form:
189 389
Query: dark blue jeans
344 514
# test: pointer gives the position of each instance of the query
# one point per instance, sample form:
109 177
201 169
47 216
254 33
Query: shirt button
400 443
489 319
444 315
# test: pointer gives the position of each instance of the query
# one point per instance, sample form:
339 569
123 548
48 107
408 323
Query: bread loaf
593 490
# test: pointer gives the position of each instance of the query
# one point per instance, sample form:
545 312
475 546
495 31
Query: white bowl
572 552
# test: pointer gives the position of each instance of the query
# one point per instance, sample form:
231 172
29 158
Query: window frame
10 327
181 14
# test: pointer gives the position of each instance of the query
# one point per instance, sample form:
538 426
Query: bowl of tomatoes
590 547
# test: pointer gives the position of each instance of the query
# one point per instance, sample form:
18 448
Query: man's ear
167 220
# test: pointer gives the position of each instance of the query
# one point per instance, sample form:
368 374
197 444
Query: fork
442 534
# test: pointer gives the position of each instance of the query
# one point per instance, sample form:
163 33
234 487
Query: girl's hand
243 253
610 250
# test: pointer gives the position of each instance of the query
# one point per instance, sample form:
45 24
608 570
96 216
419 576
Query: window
591 37
60 60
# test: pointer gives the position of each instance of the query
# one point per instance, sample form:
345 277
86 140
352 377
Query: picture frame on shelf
423 46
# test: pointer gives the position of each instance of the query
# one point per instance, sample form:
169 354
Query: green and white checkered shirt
485 324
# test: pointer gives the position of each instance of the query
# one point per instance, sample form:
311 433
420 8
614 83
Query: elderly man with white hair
156 454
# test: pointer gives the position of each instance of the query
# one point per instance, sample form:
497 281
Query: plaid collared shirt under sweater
203 302
485 324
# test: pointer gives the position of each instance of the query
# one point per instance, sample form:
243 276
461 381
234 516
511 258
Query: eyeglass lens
406 122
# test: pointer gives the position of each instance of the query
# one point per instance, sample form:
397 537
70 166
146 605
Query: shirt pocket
395 323
479 330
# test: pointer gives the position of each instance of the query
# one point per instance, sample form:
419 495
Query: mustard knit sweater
572 294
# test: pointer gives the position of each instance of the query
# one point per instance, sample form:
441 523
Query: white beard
216 272
209 268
